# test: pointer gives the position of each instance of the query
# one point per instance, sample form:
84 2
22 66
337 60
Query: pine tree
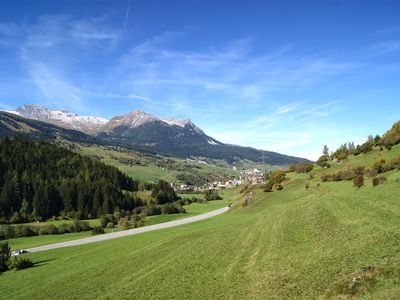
325 151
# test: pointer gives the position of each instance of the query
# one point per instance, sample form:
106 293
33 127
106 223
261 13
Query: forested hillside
39 180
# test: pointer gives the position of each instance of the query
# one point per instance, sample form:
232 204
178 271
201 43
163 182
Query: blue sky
286 76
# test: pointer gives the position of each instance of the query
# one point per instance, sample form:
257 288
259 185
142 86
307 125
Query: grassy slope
364 159
296 243
149 171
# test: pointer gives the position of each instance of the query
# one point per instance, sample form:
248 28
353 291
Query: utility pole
263 167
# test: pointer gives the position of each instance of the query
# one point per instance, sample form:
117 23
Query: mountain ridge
144 132
62 118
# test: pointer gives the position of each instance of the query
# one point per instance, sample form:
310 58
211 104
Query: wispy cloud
289 128
9 29
232 69
48 50
93 30
128 9
146 99
385 47
56 90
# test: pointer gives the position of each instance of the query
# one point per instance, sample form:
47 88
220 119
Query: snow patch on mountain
12 112
62 118
137 118
211 142
177 122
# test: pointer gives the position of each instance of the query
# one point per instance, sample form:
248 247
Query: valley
295 243
199 150
310 238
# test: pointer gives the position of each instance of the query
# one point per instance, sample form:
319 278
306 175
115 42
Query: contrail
127 14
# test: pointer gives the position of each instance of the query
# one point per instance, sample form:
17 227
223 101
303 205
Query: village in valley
252 176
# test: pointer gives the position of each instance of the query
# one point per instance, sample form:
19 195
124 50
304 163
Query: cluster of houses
216 185
253 176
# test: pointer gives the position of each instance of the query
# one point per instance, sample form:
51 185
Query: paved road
118 234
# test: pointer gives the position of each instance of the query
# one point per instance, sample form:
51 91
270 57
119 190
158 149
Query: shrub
359 181
97 230
5 254
391 137
78 226
172 209
380 166
307 186
62 228
323 162
110 225
23 231
277 177
21 263
48 229
16 218
109 218
124 223
378 180
326 178
153 210
395 163
277 186
7 232
301 168
212 195
337 176
268 187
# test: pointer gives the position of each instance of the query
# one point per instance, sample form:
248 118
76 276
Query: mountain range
137 129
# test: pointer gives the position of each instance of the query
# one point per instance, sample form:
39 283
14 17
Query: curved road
128 232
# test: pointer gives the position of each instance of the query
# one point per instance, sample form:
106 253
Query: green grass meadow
148 171
331 240
296 243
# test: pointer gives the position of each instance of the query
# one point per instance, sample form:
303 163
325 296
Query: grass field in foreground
291 244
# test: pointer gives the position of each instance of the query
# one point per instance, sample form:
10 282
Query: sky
285 76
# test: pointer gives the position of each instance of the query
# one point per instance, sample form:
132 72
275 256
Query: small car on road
19 252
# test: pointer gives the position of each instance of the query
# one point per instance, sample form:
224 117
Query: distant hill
136 130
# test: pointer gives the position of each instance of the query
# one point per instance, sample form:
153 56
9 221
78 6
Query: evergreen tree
325 151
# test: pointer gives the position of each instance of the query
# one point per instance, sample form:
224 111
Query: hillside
151 167
330 240
14 125
39 180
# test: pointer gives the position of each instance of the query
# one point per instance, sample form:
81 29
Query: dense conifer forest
39 180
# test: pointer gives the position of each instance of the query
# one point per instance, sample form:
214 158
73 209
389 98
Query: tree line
39 180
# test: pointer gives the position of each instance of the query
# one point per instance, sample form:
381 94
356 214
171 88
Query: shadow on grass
43 262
